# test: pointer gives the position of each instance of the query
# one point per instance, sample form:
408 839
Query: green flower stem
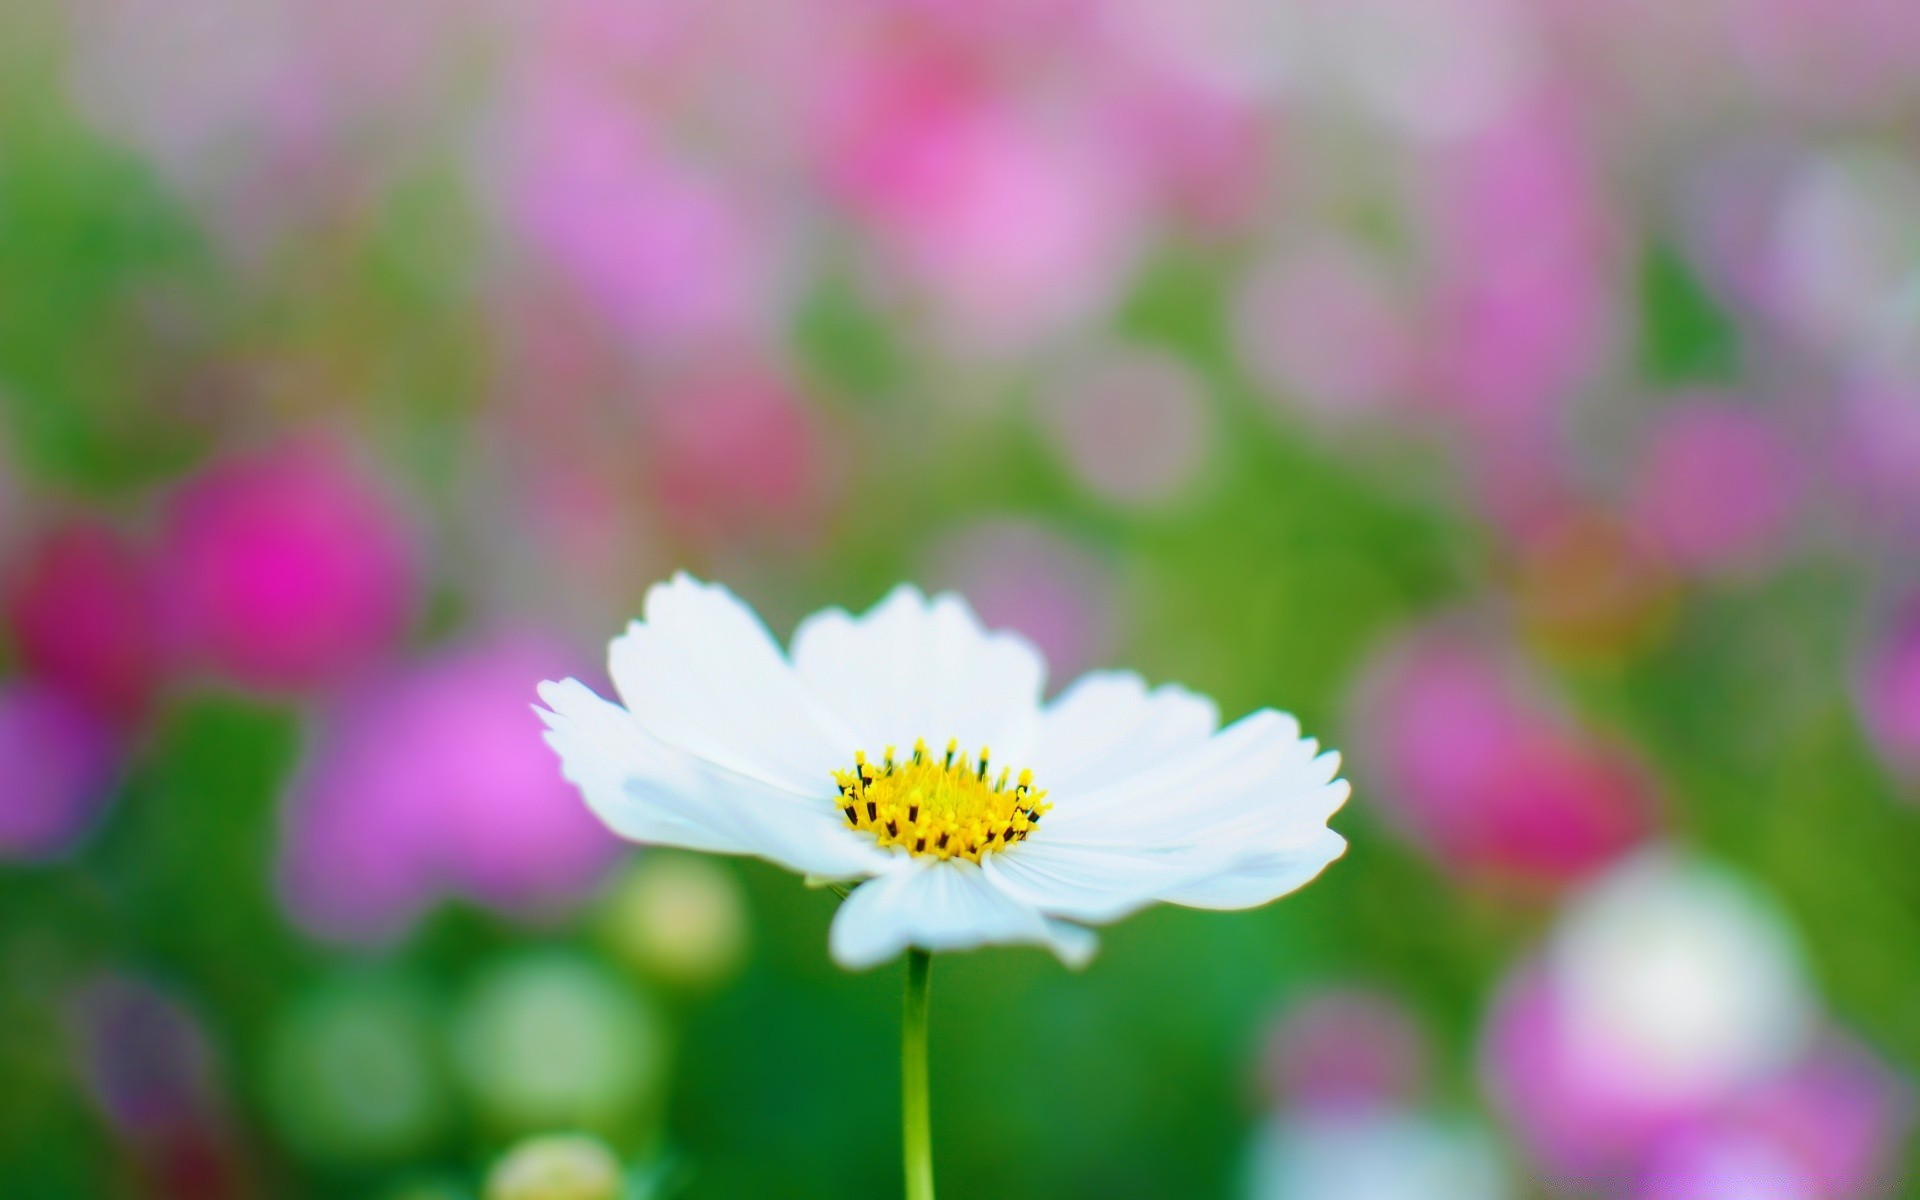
916 1128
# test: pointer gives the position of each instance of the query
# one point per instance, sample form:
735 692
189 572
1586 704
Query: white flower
909 747
1384 1155
1681 979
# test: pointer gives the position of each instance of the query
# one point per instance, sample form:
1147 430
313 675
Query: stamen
950 808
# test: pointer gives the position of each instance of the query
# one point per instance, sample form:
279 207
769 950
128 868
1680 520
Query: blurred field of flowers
1525 394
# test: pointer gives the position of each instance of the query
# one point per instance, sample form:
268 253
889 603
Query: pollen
947 806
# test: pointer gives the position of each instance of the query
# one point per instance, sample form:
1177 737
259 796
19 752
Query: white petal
1259 821
1108 725
1089 883
702 674
1252 882
651 792
937 906
913 667
1254 783
1098 884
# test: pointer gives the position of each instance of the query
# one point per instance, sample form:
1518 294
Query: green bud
680 919
561 1166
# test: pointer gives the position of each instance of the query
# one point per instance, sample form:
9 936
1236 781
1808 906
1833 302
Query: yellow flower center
947 806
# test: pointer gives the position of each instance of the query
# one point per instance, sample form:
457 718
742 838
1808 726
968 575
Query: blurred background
1527 394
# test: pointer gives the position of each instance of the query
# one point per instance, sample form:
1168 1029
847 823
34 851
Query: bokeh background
1524 392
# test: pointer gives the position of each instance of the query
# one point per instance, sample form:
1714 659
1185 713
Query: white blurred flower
865 756
564 1166
1846 251
1243 47
1681 976
546 1040
1378 1155
1132 423
1430 69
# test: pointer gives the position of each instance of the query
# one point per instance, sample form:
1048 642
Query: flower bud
563 1166
679 919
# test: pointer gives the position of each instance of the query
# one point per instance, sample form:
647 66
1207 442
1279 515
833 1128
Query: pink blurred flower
1844 1112
61 762
1238 48
1133 424
1516 315
432 779
144 1057
1827 58
81 607
1874 461
149 1068
672 254
1029 578
261 112
1520 244
1324 328
1340 1050
1205 154
1566 1113
1717 488
1831 1128
287 569
1724 1164
1887 690
1018 228
1472 761
735 450
1562 806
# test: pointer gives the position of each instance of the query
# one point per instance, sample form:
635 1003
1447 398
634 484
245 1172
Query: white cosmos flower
859 757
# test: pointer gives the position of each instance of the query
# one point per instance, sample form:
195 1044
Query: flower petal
648 791
949 905
913 667
1098 884
703 675
1108 725
1259 880
1255 823
1256 781
1089 883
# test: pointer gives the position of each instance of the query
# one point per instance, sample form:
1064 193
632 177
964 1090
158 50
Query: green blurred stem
914 1118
